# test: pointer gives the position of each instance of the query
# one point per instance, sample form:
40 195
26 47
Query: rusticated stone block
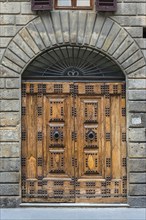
137 83
9 94
8 63
137 149
9 189
135 31
10 8
137 201
137 134
135 66
137 177
136 165
140 73
137 120
12 134
137 106
9 177
137 95
10 201
9 149
12 83
137 189
9 118
11 105
5 72
11 164
2 82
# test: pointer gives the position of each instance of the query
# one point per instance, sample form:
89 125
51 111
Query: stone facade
25 34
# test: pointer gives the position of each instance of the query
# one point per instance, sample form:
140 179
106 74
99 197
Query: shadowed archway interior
73 62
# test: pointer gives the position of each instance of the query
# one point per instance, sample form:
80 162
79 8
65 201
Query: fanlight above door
73 62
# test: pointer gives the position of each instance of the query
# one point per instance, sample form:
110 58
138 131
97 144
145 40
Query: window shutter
41 5
106 5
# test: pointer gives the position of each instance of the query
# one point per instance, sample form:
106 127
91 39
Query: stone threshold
74 205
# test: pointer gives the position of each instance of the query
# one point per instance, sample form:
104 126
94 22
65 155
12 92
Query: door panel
73 142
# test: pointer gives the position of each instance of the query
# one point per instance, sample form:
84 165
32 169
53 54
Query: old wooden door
73 142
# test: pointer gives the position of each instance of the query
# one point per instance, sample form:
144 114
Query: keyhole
91 135
56 135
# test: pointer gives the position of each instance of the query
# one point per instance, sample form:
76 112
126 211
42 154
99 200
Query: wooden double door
73 142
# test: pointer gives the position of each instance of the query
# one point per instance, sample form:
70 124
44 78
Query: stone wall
17 50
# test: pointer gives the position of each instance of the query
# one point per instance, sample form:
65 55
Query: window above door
48 5
73 4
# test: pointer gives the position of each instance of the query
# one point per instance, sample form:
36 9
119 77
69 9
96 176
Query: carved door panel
73 142
47 143
100 145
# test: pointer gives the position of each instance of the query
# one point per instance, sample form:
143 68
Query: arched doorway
73 128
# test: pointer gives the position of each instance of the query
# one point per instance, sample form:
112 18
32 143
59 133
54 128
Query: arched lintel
73 28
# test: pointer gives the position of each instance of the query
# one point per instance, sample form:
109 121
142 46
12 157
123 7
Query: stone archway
81 28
